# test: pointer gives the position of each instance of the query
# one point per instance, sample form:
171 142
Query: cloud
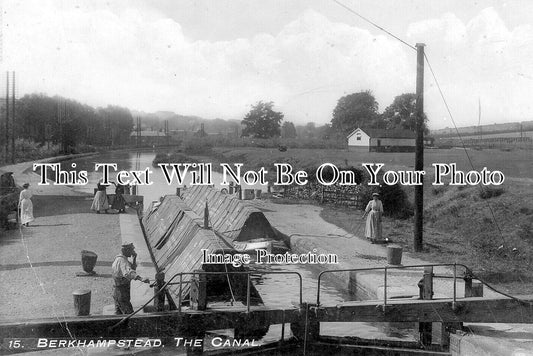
131 57
116 53
481 58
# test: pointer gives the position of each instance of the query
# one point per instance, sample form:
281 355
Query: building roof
383 133
145 133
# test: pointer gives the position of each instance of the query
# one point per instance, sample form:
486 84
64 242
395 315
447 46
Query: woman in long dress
373 212
119 203
26 206
100 199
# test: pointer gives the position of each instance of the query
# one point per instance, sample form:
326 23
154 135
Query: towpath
38 264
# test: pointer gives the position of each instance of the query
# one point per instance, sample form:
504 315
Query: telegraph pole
167 132
419 148
13 122
7 117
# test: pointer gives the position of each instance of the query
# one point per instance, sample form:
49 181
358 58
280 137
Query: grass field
516 164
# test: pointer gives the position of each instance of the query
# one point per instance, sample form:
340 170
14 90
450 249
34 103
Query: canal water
277 290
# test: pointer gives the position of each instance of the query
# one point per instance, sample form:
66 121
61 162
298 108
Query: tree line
352 111
68 123
65 122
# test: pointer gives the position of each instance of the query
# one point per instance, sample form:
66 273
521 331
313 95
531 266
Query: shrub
393 197
197 145
525 232
437 190
488 192
28 150
526 211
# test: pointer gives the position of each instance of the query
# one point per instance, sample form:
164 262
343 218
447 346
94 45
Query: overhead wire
443 99
374 24
463 145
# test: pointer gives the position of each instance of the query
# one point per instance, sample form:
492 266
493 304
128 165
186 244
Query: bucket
248 194
82 302
394 255
258 194
88 260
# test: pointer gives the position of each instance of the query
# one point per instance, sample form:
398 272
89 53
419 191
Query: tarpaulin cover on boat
176 237
230 217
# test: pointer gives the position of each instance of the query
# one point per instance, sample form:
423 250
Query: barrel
258 194
88 260
82 302
394 255
248 194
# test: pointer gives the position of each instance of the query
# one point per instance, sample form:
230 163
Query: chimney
206 216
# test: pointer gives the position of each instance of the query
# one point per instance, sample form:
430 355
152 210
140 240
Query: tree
118 123
288 130
355 110
262 121
401 114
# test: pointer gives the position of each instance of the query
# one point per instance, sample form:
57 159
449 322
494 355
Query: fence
335 194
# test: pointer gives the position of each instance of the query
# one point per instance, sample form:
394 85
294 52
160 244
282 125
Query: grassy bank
491 235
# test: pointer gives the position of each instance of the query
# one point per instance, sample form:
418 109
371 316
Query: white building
379 140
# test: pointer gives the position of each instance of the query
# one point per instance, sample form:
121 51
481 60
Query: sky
216 58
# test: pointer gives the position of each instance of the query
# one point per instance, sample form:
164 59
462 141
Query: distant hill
484 129
156 121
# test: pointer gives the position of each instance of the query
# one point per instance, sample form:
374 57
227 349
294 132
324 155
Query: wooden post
307 327
82 302
199 291
159 301
425 329
473 289
419 148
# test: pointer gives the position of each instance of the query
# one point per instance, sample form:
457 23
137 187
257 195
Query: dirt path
39 263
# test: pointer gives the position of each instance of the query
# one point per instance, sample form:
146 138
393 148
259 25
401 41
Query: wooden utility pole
419 149
138 132
13 122
7 118
167 132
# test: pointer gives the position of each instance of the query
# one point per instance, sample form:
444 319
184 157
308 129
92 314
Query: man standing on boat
123 273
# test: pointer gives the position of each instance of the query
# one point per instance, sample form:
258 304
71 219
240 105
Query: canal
277 290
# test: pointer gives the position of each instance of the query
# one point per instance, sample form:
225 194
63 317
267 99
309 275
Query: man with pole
123 272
